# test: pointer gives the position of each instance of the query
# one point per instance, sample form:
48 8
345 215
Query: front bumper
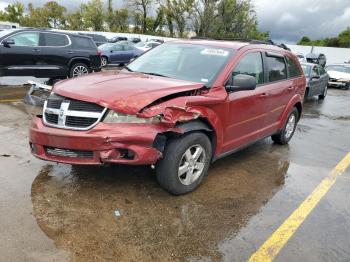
130 144
339 84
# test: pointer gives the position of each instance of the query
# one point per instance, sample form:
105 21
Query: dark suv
46 53
179 107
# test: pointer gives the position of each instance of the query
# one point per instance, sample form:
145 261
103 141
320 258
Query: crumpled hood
124 92
339 75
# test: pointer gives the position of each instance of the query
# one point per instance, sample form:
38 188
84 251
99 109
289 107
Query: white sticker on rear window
214 52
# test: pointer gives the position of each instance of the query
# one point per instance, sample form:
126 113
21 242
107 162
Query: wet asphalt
57 212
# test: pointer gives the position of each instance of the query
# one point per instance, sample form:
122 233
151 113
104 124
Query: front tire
104 61
79 69
323 96
286 134
185 163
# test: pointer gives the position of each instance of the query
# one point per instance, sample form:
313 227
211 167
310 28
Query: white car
301 57
145 46
339 75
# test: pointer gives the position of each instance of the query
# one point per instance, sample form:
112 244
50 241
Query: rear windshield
99 38
306 69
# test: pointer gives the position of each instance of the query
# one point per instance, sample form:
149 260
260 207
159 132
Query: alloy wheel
191 165
80 70
290 126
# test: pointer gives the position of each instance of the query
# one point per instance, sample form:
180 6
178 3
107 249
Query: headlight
119 118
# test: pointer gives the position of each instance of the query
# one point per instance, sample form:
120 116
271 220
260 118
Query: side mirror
240 83
8 42
315 77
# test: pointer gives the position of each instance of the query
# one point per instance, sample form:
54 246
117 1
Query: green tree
305 40
119 20
179 11
35 17
55 14
235 19
93 15
75 21
13 13
203 16
344 38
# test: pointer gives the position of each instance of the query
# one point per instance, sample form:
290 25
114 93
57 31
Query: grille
63 112
51 118
68 152
77 105
54 103
76 121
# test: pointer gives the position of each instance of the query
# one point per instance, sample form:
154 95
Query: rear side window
252 65
276 68
84 42
54 39
293 69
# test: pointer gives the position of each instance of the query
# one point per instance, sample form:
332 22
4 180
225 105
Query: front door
247 110
22 58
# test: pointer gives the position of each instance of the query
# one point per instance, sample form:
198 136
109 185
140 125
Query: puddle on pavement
75 206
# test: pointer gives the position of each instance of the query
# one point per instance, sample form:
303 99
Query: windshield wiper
127 68
153 74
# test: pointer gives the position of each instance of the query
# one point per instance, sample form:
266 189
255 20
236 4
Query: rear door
129 52
324 78
279 89
117 54
22 58
315 84
55 53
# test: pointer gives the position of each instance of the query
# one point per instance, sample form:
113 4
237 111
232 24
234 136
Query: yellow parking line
270 249
9 100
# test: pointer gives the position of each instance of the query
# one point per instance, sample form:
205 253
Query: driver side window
26 39
251 64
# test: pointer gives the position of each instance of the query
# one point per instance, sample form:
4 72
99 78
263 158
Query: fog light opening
32 148
127 154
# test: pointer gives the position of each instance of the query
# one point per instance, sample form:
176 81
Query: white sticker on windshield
204 80
214 52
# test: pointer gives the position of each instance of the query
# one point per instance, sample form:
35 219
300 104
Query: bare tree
141 8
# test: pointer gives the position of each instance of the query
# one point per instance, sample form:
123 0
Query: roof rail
250 41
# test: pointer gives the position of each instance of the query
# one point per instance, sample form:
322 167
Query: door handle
70 52
36 50
264 95
291 87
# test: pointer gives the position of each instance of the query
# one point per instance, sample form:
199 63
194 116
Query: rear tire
286 134
323 96
185 163
78 69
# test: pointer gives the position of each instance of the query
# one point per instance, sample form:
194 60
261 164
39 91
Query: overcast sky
287 20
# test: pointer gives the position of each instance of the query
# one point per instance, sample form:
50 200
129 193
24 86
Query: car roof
340 64
48 30
235 45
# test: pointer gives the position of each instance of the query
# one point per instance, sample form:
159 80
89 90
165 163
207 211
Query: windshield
338 68
140 44
306 69
197 63
5 32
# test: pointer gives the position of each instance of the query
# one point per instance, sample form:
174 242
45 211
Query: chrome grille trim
69 152
63 112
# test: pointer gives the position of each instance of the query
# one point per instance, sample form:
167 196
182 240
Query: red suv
178 107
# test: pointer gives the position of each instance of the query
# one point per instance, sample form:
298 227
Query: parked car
135 40
316 80
98 39
157 40
46 53
118 53
301 57
316 58
145 46
117 39
213 99
339 75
